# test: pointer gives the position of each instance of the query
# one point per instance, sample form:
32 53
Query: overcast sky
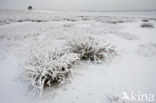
101 5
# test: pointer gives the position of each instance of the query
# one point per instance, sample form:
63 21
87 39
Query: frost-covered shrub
49 70
145 20
147 25
69 19
89 49
38 20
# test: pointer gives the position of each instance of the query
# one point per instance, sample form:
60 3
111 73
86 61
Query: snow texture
34 43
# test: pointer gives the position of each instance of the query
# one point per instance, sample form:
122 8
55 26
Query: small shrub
88 49
147 25
112 22
154 19
120 21
115 22
145 20
37 20
30 8
20 21
67 19
49 70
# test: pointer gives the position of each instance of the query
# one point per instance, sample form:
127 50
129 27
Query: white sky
101 5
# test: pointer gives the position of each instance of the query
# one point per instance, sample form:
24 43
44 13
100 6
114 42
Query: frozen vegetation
76 57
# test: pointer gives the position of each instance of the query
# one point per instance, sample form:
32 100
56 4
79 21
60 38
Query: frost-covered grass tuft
89 49
50 70
147 25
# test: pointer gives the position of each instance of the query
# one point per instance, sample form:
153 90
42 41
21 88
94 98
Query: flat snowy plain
134 70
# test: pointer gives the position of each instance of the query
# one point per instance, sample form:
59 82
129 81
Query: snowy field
133 70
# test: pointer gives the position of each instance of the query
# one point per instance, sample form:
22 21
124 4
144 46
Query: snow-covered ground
133 71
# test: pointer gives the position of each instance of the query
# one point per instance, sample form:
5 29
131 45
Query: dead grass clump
50 70
88 49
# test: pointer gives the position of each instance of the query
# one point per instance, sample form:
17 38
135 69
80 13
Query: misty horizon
92 5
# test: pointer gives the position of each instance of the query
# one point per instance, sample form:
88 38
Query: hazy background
98 5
